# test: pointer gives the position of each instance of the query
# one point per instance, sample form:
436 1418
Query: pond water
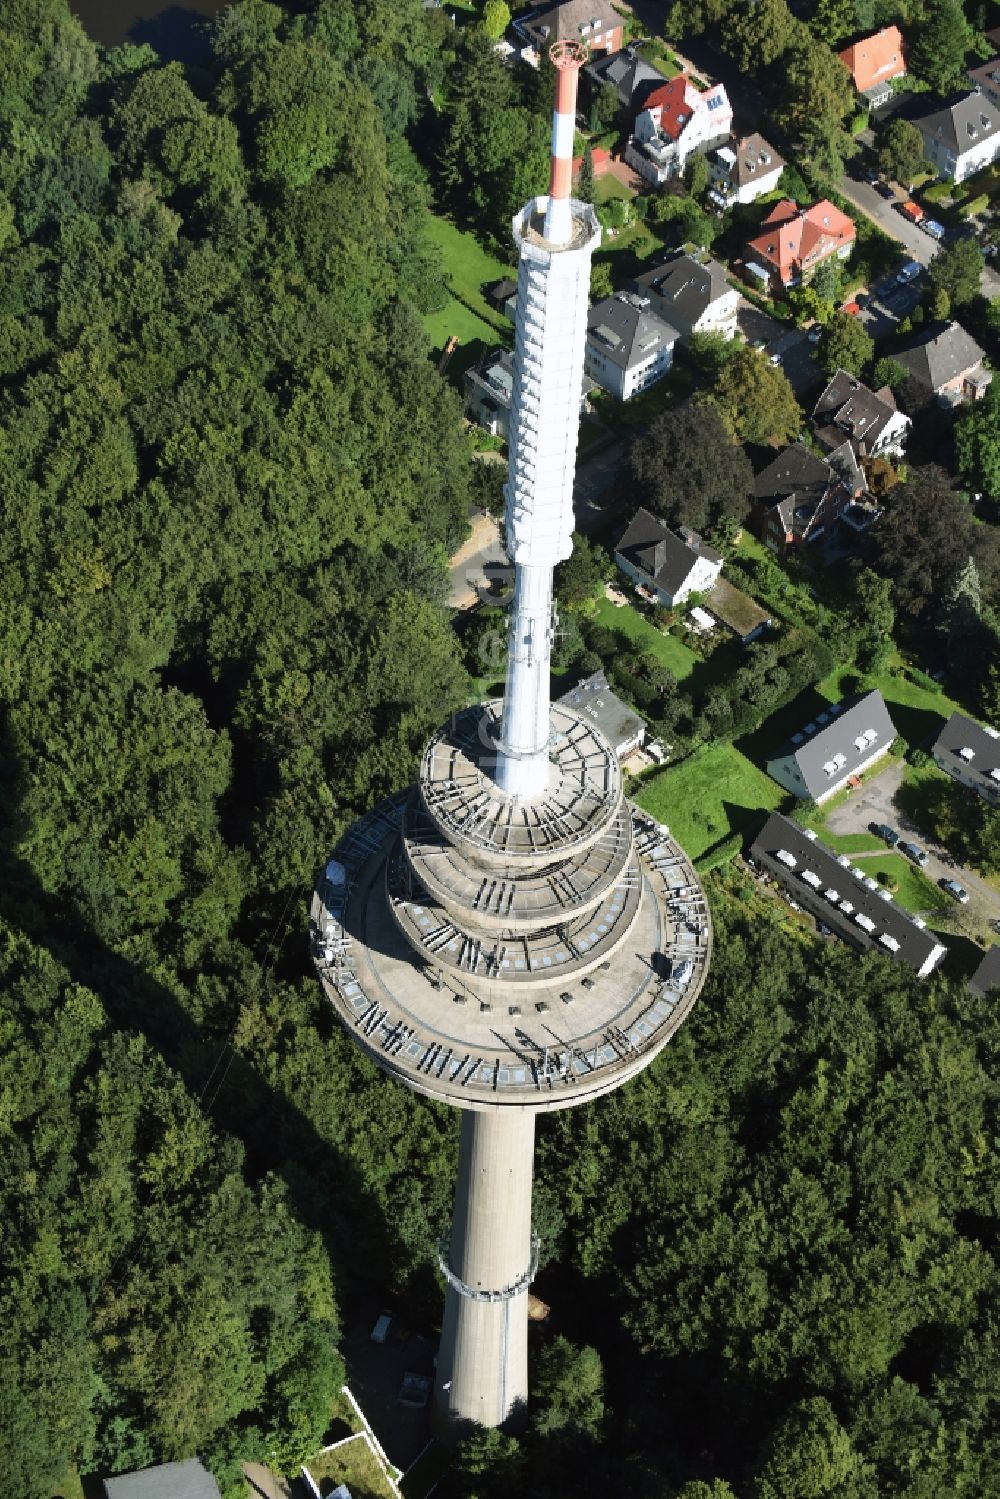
173 29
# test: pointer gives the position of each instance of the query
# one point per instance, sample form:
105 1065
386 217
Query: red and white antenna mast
567 58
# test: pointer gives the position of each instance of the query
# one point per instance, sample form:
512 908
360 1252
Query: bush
939 193
921 679
919 758
722 853
974 206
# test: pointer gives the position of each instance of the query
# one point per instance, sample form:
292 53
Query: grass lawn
913 889
713 793
354 1464
849 843
467 268
608 187
673 653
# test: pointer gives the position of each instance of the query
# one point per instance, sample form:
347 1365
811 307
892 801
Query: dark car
885 832
913 851
884 190
955 890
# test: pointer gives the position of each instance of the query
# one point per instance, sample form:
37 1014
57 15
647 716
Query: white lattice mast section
556 237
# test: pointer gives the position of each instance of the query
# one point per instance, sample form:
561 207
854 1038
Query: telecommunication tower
510 936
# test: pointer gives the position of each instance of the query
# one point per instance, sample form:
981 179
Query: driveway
876 802
479 558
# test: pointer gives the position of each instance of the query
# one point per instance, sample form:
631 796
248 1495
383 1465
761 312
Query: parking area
791 346
875 802
376 1372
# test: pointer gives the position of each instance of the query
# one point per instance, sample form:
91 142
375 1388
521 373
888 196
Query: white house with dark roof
672 565
848 411
840 742
946 363
970 752
961 138
624 730
628 347
747 167
488 387
842 896
692 294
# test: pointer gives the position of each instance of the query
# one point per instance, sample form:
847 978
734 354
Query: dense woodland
229 479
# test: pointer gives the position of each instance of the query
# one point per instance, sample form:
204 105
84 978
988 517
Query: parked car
913 851
933 228
380 1332
885 832
911 211
415 1391
885 191
955 890
851 308
908 272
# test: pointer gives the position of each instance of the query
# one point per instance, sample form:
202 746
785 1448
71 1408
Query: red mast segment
567 58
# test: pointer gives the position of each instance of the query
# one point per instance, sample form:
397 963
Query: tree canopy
687 469
755 400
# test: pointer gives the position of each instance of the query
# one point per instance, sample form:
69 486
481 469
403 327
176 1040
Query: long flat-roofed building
841 896
840 742
970 752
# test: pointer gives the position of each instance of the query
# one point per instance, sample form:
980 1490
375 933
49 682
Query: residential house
944 363
848 411
799 497
624 730
183 1480
793 241
841 897
488 387
627 72
873 62
676 120
671 565
628 347
970 752
745 168
961 138
595 22
987 976
837 745
986 81
737 611
692 294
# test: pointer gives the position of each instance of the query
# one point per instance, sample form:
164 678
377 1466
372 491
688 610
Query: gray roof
915 945
962 733
962 125
684 288
987 975
752 155
186 1480
626 332
834 738
848 408
940 354
795 472
665 556
616 720
566 22
626 71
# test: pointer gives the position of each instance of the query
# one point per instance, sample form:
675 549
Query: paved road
876 802
917 244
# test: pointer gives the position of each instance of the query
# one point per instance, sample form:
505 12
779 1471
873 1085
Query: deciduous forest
230 478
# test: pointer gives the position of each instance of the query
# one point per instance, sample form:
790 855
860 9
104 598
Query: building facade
669 565
962 138
628 347
676 121
970 752
841 742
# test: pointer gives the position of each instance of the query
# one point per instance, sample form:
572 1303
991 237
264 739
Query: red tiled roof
796 239
875 59
671 100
